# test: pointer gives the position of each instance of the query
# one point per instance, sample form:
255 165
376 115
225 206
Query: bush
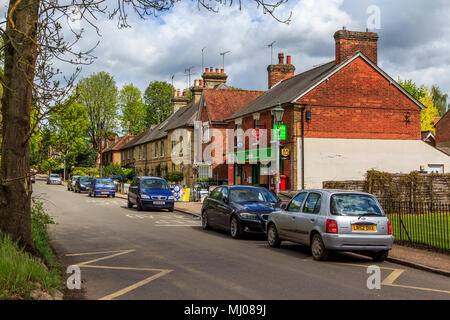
129 174
174 176
80 171
113 170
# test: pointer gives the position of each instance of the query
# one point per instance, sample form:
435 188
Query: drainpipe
302 150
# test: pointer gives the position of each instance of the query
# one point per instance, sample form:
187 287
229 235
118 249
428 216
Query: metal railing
420 224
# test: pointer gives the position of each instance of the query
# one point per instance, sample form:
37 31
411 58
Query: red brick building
343 118
443 133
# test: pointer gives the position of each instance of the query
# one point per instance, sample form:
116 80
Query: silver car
329 220
54 179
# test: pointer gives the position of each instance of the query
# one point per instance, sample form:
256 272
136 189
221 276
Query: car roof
334 191
146 177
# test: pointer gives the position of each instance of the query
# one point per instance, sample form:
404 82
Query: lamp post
277 113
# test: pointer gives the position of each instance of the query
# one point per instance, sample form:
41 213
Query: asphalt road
125 254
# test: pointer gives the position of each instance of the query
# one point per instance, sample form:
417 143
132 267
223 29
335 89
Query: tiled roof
286 90
221 104
185 117
119 143
136 140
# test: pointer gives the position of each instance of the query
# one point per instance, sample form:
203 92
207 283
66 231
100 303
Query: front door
256 171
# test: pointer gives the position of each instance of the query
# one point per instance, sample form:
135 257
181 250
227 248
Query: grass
19 271
427 229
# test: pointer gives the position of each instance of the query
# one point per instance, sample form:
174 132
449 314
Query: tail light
389 228
332 226
96 188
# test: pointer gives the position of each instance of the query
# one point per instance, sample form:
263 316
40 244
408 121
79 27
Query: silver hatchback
329 220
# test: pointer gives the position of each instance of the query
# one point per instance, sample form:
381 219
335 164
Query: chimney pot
206 69
200 83
217 70
184 93
281 58
222 71
195 83
288 59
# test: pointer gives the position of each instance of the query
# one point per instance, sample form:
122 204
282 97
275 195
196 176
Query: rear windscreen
354 205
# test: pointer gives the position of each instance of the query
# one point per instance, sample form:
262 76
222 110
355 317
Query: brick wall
443 132
359 103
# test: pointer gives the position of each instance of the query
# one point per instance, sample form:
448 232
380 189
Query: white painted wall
349 159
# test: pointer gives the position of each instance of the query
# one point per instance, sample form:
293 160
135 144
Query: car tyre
380 256
139 205
318 250
205 222
272 236
170 209
90 195
129 204
235 230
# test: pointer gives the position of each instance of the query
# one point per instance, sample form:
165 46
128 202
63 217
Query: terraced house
342 118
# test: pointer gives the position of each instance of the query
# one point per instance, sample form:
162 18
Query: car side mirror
225 199
284 206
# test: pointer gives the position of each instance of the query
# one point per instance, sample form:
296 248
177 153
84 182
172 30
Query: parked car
328 220
71 183
239 209
82 184
150 192
116 178
54 178
102 187
32 177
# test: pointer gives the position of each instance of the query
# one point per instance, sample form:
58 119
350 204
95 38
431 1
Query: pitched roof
292 89
117 145
185 117
220 103
136 140
286 90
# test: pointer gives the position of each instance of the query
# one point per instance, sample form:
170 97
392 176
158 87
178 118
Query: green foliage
157 99
113 170
133 109
99 94
129 174
19 271
439 100
414 90
90 172
50 165
86 157
174 176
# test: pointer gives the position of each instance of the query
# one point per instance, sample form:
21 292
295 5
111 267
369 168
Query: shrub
113 170
174 176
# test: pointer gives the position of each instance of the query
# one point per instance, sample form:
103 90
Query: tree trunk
20 58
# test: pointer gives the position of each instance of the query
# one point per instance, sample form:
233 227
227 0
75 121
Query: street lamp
277 113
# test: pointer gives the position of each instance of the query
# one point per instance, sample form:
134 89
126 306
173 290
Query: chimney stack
197 90
348 43
213 79
179 100
280 71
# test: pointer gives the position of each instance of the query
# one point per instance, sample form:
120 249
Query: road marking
86 264
390 279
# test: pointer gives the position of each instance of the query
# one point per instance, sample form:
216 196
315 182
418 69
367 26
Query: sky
414 40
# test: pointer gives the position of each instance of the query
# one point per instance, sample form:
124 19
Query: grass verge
19 271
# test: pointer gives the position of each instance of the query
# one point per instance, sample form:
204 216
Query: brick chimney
179 100
348 43
213 79
280 71
197 90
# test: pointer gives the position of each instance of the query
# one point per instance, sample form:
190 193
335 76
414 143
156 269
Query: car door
211 209
133 190
223 209
286 221
308 217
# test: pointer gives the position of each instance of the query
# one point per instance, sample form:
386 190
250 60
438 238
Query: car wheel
171 209
95 196
113 195
139 205
234 228
90 195
205 223
380 256
318 250
129 204
272 236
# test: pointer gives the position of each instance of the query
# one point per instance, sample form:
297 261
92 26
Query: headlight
249 216
170 198
144 196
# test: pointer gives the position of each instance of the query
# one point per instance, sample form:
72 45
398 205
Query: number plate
364 228
161 203
105 191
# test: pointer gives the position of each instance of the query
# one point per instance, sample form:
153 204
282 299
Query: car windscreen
104 182
54 176
354 205
86 179
154 184
240 195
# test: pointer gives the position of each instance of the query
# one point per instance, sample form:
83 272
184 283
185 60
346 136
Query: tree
34 39
69 127
414 90
133 109
430 112
157 99
439 100
99 94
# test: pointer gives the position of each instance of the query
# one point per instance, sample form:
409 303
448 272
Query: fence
420 224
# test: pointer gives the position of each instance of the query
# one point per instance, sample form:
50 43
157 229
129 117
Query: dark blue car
150 193
102 187
238 209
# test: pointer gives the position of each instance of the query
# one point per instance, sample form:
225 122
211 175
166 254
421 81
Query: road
125 254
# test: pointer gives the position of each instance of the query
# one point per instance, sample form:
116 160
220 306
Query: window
241 195
162 149
354 205
312 204
156 150
204 171
206 135
216 194
296 203
181 146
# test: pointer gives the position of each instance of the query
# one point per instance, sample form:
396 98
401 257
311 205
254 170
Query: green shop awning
253 155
